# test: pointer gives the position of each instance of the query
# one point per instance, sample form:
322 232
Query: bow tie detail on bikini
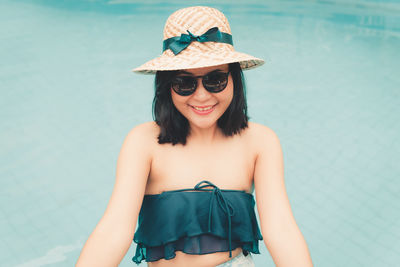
223 203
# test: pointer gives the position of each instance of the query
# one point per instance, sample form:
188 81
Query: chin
202 124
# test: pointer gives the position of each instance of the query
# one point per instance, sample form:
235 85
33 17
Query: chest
229 165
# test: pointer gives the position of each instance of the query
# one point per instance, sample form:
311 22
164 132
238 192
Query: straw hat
196 37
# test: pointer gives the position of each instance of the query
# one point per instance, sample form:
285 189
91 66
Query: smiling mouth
203 110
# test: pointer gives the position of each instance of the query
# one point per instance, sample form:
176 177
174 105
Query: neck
204 135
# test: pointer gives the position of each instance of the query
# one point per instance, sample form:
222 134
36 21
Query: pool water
329 89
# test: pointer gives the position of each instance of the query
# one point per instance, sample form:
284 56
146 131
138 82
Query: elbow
104 248
288 247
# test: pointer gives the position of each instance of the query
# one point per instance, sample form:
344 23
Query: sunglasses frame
196 84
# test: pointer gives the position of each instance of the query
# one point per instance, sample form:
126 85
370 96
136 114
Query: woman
189 175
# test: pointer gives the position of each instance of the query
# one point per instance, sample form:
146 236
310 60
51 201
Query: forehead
201 71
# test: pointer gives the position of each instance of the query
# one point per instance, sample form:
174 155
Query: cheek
228 96
177 100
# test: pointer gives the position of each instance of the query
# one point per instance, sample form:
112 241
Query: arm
281 234
112 237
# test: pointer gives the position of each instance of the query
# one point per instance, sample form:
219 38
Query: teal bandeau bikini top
196 221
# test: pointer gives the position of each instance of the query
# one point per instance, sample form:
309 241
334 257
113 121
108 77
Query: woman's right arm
112 237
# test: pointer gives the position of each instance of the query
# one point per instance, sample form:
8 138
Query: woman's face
202 109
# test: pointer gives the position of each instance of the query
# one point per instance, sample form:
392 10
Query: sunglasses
214 82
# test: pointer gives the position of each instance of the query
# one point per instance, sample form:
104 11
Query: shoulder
262 138
142 136
144 131
262 133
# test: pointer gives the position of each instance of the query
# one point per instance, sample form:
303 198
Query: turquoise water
329 89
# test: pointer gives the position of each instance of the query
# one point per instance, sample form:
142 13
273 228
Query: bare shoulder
145 132
143 137
260 134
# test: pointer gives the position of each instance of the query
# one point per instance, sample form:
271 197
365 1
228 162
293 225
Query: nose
201 93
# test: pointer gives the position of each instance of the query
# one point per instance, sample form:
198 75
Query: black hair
175 127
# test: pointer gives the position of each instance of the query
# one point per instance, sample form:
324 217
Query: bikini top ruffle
196 221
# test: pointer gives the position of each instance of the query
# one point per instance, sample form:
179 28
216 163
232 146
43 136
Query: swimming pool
329 89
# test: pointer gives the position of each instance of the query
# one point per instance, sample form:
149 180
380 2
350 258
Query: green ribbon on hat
179 43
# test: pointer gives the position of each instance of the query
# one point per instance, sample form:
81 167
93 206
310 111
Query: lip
205 112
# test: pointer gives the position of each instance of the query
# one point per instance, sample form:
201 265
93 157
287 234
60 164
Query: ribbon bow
223 203
179 43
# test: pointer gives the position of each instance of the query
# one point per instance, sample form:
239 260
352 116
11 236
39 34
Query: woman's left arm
281 234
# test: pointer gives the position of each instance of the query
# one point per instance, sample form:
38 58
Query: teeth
202 109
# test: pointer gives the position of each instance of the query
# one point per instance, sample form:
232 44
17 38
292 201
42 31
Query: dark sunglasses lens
184 85
215 81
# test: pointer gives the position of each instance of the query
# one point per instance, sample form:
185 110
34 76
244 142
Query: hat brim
167 61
